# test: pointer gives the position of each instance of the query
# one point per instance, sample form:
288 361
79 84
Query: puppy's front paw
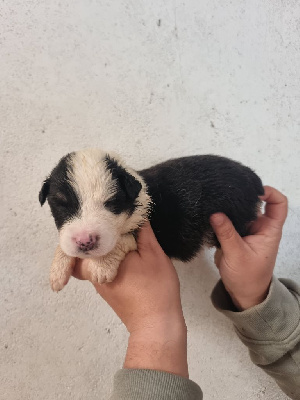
102 271
58 281
105 269
61 270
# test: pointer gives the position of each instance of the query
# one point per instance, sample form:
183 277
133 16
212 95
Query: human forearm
156 365
271 331
160 347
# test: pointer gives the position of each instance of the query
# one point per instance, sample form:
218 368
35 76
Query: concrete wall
150 80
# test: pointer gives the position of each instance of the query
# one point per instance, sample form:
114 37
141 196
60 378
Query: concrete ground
150 80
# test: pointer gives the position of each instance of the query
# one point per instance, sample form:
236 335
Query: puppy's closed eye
60 199
117 203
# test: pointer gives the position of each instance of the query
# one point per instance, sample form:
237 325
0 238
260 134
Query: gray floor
150 80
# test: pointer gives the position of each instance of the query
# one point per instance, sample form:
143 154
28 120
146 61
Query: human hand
246 264
146 290
146 296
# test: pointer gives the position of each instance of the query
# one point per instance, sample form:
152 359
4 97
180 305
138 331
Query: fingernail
217 219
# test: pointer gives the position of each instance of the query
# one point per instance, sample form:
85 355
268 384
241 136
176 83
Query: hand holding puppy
146 297
246 264
146 277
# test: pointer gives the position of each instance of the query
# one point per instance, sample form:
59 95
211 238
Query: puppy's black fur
186 191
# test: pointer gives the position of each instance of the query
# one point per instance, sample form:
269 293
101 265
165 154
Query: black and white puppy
98 204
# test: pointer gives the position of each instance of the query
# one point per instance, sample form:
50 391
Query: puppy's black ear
128 183
131 186
44 191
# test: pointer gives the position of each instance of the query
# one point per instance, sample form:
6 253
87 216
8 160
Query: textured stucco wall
150 80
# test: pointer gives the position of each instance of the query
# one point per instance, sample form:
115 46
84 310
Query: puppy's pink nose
86 241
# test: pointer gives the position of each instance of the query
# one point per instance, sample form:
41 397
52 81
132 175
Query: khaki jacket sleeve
271 331
143 384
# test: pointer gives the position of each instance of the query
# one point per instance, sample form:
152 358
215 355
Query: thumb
81 270
228 237
146 239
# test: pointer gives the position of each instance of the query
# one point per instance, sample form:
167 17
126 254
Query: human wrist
160 346
243 303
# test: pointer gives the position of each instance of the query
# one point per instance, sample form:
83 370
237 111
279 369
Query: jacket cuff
269 329
137 384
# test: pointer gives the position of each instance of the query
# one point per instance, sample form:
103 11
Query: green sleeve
145 384
271 331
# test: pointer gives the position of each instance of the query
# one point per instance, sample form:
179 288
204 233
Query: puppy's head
94 199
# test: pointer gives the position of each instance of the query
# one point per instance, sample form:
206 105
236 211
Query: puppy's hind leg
61 269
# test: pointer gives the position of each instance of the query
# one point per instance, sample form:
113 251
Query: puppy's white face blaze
95 228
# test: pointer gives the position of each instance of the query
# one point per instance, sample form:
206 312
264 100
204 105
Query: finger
146 239
81 270
276 204
217 257
228 237
258 225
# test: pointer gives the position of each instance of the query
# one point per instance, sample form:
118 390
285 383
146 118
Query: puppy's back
187 190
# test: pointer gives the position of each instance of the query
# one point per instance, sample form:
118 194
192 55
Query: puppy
98 204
